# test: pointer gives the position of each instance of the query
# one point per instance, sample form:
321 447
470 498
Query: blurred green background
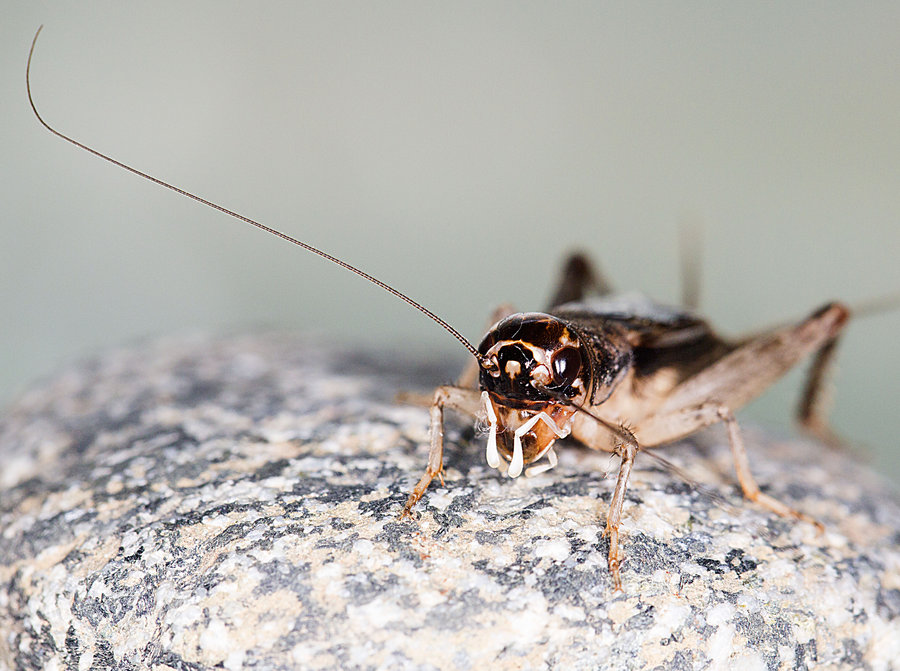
457 151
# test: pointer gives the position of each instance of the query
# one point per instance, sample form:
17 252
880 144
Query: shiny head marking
328 257
528 353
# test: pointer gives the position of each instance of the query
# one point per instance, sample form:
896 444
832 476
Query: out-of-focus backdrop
457 151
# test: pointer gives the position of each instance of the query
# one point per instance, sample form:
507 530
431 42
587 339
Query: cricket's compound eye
566 366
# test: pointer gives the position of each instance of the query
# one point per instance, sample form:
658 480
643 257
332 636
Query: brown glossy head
531 359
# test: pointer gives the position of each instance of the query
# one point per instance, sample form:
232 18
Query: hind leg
813 408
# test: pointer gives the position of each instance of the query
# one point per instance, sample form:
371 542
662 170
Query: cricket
618 373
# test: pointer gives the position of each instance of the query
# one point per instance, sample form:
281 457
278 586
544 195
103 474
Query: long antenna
328 257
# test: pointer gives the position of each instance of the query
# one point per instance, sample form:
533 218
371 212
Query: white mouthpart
515 466
552 461
492 455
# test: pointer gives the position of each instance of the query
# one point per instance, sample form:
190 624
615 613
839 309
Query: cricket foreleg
601 434
465 400
613 517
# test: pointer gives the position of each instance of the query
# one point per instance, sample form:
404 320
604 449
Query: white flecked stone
198 504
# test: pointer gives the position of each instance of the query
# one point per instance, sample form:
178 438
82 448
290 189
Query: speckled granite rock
233 504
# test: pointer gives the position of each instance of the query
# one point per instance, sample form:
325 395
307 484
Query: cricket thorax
533 365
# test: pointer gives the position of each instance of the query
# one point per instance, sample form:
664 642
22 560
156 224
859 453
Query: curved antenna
328 257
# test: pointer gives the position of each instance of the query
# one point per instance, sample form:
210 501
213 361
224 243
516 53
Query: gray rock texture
200 504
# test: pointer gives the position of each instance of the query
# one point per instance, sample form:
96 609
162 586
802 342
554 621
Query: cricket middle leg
745 475
614 516
689 420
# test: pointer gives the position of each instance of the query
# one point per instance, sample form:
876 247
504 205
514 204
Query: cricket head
532 366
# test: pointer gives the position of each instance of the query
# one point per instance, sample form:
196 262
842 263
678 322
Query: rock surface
195 504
